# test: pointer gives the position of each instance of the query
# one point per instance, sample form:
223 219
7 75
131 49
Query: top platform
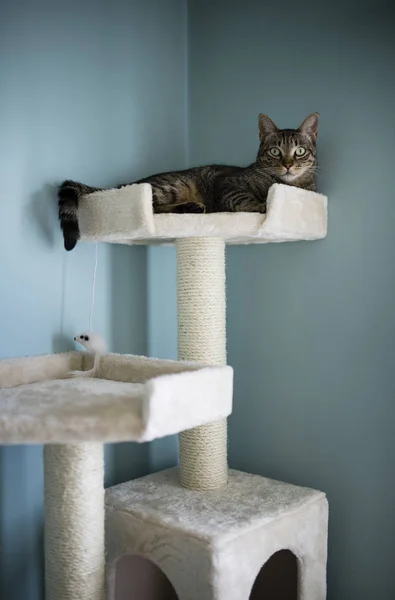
125 216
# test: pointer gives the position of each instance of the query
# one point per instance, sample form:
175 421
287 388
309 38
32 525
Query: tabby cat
285 156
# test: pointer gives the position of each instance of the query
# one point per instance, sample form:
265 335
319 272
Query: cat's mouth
288 176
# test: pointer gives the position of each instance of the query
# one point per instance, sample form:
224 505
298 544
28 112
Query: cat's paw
190 207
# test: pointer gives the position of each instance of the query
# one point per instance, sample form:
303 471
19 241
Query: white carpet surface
134 399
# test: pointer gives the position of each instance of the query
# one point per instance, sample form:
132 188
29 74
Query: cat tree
209 530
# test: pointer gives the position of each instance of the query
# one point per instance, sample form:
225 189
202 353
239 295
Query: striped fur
284 156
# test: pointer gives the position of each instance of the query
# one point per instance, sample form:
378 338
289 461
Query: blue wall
311 326
95 91
162 332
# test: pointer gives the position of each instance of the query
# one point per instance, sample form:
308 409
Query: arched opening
138 578
278 578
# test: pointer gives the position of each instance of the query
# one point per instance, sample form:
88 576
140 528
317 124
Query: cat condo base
212 545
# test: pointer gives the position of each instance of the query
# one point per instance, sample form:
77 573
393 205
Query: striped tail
68 196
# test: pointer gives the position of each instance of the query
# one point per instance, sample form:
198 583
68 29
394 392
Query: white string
93 288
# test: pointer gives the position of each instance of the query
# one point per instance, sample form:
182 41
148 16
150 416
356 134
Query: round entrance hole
138 578
278 578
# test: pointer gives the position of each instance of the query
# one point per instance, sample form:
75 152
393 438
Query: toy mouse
95 345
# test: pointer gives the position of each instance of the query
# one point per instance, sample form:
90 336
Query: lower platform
212 545
134 398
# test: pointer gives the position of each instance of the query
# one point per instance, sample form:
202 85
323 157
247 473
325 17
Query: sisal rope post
74 521
202 337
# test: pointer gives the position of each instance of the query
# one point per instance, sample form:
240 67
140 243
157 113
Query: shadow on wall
41 214
62 343
21 523
128 298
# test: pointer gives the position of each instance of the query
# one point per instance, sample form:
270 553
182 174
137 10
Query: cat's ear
310 126
266 126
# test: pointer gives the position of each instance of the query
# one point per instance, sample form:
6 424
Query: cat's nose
288 165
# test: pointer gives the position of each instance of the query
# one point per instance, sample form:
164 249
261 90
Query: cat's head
288 154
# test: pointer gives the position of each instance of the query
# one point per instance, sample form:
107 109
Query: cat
285 156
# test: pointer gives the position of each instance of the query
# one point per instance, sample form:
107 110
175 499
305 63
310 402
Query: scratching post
202 338
74 522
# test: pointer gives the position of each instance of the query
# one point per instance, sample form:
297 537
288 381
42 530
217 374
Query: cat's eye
301 151
274 152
